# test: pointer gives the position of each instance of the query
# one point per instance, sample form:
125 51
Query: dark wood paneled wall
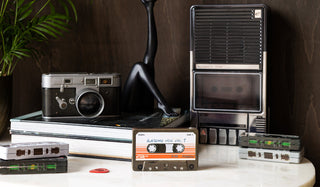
110 36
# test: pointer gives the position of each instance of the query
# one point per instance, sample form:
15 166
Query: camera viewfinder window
228 92
105 81
67 81
90 81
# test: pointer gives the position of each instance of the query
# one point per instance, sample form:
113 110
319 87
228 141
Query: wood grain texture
110 36
5 103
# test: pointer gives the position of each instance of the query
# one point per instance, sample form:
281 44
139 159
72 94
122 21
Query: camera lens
90 104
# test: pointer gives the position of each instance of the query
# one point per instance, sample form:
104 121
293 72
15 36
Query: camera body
80 95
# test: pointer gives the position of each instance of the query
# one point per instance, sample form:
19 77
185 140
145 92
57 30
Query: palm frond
21 25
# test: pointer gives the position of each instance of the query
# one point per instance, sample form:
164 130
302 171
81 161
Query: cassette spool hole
38 151
251 154
285 157
268 155
20 152
152 148
55 150
165 148
178 148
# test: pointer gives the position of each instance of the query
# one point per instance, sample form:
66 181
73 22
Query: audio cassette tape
34 166
270 141
19 151
165 149
271 155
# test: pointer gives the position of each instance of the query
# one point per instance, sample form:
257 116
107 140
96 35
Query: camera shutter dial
62 103
90 103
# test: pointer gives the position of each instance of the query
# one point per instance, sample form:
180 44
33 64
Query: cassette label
165 146
165 149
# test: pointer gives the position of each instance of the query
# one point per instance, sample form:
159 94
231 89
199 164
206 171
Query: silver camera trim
77 80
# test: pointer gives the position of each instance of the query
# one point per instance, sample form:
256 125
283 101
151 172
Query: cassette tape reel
165 149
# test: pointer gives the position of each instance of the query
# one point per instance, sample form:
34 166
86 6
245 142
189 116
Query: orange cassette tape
165 149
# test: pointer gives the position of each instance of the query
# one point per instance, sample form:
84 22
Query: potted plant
22 23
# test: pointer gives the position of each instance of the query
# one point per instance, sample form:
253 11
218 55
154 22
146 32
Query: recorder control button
222 136
212 136
203 135
232 137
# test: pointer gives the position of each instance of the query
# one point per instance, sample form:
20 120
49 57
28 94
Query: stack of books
99 137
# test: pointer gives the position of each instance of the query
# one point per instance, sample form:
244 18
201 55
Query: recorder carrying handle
143 72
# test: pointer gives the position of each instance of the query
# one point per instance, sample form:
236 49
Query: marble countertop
218 166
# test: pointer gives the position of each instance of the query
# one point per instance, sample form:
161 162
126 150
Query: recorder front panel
228 71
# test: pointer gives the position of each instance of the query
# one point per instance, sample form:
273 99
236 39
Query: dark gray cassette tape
165 149
34 166
270 141
18 151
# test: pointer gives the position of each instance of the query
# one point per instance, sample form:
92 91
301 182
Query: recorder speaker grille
228 35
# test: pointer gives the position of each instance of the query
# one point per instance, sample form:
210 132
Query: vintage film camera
80 95
228 71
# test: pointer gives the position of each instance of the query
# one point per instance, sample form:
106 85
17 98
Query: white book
111 128
84 147
99 137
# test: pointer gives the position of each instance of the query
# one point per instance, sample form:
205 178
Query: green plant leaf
25 10
46 31
19 2
43 36
52 29
73 9
57 26
24 22
25 15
